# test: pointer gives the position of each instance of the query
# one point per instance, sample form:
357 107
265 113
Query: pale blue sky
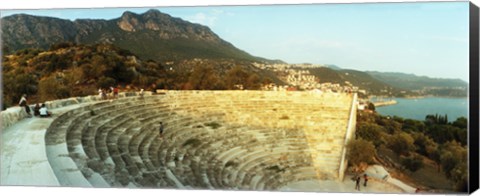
427 38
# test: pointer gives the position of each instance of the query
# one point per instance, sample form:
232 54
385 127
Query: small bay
418 108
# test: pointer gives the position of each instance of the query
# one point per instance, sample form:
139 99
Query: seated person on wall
36 110
44 112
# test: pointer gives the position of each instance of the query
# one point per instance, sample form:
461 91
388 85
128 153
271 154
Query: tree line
414 141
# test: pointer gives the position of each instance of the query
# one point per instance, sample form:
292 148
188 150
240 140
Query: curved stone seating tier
254 140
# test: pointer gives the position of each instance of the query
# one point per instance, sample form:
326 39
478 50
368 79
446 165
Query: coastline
431 96
384 103
393 100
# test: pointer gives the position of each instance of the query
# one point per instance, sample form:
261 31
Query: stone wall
14 114
352 122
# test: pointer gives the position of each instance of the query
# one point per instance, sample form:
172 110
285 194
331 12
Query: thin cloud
208 18
202 18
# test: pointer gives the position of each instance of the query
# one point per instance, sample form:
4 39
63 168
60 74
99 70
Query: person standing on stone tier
141 93
115 92
111 91
357 183
104 94
161 129
365 177
100 93
23 103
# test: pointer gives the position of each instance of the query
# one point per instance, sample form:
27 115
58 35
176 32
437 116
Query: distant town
299 78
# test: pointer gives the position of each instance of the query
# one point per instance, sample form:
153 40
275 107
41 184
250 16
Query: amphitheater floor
347 185
23 157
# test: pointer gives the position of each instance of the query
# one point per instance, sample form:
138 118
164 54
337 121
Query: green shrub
360 151
105 82
425 145
401 143
371 106
370 132
204 77
50 88
412 163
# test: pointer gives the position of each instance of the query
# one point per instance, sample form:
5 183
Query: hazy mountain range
414 82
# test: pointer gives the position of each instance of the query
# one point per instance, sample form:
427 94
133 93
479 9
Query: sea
418 108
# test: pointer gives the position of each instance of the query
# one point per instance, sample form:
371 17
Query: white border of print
54 191
35 4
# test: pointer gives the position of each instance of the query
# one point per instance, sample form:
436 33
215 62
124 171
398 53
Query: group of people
38 110
42 111
358 179
103 93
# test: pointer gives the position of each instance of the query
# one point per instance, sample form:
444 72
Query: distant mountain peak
153 12
130 21
155 20
129 14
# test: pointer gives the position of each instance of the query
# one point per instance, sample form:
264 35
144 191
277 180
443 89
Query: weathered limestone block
12 115
61 103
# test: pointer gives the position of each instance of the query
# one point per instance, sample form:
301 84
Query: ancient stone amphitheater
241 140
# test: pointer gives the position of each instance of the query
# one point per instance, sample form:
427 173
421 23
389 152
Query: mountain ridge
414 82
151 35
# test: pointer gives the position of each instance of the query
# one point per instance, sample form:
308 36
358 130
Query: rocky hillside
151 35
